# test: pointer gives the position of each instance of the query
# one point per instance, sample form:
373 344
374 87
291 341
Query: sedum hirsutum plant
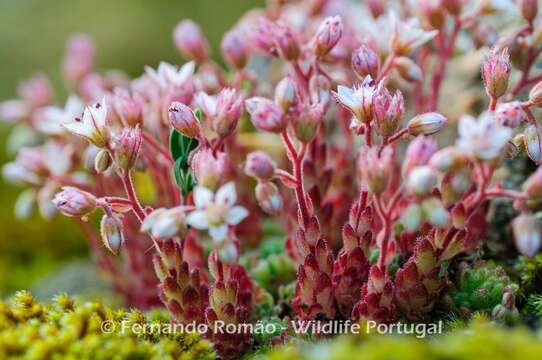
329 122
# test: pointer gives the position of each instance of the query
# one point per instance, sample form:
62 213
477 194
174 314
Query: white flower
207 103
53 120
167 75
165 223
358 100
93 125
483 138
408 35
216 212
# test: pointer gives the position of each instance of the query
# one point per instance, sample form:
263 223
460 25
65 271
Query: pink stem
157 146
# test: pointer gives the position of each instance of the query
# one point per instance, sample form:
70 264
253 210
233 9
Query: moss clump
67 329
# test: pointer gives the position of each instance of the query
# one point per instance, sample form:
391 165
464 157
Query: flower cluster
346 104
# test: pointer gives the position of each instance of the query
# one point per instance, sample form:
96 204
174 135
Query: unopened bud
126 147
112 231
421 180
532 187
320 90
269 197
72 201
449 158
408 69
328 35
527 234
265 115
484 35
102 161
190 41
365 62
234 49
183 119
79 57
260 165
307 123
376 7
529 9
426 124
412 218
535 95
285 94
496 72
510 114
211 170
533 143
418 153
454 7
128 108
432 12
454 185
375 168
165 223
286 43
388 111
435 213
229 108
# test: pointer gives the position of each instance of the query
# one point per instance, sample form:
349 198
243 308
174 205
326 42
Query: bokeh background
48 257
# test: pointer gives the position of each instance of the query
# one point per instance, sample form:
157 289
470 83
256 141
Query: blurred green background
129 34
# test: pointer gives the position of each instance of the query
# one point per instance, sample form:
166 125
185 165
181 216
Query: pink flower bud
529 9
375 168
535 95
426 124
79 57
418 153
285 94
126 146
269 198
210 77
262 37
229 108
12 111
182 118
496 72
527 234
421 180
532 187
112 231
72 201
408 69
286 42
376 7
211 171
265 115
365 61
510 114
388 111
432 12
306 122
128 108
260 165
36 91
234 49
190 41
328 35
320 90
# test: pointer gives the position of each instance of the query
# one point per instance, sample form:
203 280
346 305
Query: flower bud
260 165
529 9
112 231
426 124
388 111
449 158
418 153
36 91
510 114
234 49
365 62
532 187
285 94
459 216
165 223
102 161
533 143
408 69
229 108
79 57
126 147
128 108
307 122
412 217
432 12
496 72
454 7
320 90
527 234
269 198
72 201
286 43
484 35
454 185
265 115
535 95
376 7
374 168
435 213
328 35
209 170
182 118
190 41
421 180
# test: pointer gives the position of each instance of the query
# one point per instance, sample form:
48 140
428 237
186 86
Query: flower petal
202 196
197 220
219 232
227 194
236 215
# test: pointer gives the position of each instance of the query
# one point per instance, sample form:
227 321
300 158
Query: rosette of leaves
479 288
180 147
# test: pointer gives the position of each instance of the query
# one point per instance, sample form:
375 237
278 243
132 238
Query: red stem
157 146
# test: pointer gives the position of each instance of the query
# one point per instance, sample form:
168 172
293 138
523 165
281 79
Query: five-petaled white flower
53 120
167 75
216 212
483 138
93 125
359 100
408 35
